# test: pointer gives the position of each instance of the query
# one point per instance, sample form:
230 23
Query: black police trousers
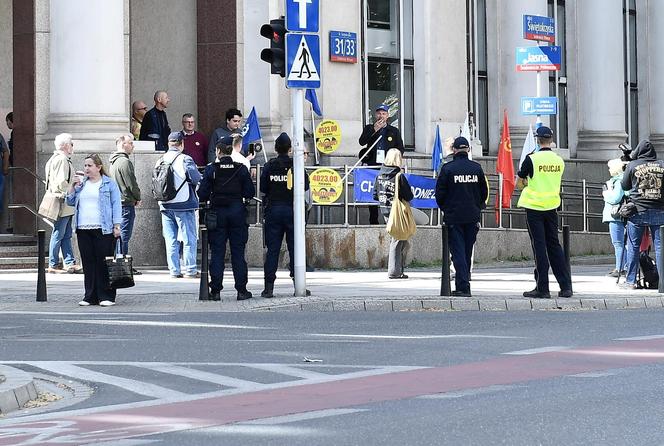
231 226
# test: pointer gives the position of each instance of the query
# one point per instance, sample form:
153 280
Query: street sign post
538 58
539 28
302 60
539 106
302 16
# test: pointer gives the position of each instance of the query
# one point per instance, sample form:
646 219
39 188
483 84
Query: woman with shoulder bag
614 196
97 200
384 194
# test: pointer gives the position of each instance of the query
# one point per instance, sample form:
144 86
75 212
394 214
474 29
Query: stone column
601 78
655 38
87 71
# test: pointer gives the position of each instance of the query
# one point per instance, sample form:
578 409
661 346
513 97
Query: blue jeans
617 231
636 225
2 190
61 240
184 223
127 226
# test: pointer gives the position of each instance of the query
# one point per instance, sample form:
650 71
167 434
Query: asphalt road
422 378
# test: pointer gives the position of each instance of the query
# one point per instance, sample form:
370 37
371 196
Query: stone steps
18 252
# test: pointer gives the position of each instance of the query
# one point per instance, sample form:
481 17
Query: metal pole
204 290
258 192
345 195
41 267
445 289
566 247
300 269
585 206
500 200
660 262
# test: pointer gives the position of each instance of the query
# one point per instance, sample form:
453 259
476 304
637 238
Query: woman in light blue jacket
98 215
613 194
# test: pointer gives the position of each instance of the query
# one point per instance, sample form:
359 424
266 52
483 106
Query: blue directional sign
302 15
539 106
343 46
538 58
302 60
537 27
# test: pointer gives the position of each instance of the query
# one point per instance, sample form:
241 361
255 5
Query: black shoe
402 276
268 292
214 295
565 293
537 294
306 293
136 272
461 293
244 295
614 273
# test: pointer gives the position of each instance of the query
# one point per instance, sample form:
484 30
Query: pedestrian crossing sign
302 60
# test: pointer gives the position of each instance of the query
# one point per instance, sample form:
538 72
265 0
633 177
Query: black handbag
120 269
616 208
627 210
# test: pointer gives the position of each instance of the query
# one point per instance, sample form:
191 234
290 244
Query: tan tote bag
400 223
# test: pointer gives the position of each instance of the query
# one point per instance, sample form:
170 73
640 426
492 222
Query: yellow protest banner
328 136
326 186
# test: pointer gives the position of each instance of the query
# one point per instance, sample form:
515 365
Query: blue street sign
537 27
302 60
538 58
539 106
302 16
343 47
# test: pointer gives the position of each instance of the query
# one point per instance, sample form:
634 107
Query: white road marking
629 354
201 375
303 416
287 370
455 336
593 375
469 392
271 432
86 314
640 338
80 373
154 324
534 351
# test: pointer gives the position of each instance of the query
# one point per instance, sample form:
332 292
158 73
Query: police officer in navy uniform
461 193
277 187
226 185
540 177
391 139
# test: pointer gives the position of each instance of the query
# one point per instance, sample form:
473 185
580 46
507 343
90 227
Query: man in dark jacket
155 123
232 126
644 179
226 184
462 193
390 139
122 172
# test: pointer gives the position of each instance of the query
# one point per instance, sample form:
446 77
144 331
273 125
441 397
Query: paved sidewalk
494 287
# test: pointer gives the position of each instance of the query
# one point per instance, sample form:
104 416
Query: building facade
76 65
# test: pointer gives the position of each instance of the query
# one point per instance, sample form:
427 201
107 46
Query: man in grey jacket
122 172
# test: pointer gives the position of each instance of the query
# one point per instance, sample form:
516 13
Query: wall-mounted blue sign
343 47
539 106
302 16
536 27
538 58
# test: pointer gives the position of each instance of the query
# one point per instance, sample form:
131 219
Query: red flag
505 165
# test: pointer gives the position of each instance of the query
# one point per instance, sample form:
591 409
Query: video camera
626 150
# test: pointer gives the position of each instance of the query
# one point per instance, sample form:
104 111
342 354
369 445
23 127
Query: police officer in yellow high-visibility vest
540 176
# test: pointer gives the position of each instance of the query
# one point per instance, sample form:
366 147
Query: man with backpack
174 181
643 178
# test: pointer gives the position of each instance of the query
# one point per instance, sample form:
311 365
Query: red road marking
221 410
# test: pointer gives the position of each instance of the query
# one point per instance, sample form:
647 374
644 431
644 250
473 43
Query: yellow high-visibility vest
543 190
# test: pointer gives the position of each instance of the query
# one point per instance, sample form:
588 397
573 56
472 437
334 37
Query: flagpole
264 150
361 159
500 200
313 132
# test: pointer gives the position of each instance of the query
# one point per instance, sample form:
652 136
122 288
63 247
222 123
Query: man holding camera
540 177
643 178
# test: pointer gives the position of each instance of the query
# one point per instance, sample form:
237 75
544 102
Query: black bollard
566 249
660 262
445 289
204 289
41 266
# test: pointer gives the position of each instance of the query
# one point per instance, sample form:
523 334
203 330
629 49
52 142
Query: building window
558 79
631 73
478 93
388 62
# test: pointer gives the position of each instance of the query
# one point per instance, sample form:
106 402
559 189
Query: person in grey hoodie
122 172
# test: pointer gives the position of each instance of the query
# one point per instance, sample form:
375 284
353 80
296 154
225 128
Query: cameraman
643 178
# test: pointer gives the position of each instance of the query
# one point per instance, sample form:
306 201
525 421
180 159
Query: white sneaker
84 303
106 303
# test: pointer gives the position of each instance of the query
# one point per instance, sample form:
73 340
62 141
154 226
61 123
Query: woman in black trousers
98 216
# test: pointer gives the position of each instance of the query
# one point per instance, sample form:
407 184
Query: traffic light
276 54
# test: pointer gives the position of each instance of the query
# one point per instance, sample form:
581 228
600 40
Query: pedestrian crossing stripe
303 64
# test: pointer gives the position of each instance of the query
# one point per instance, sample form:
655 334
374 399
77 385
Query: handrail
31 210
34 175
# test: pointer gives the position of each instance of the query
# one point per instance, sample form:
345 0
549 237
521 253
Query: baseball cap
175 136
460 143
227 140
544 132
383 107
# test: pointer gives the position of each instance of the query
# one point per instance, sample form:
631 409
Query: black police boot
268 291
214 295
243 295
